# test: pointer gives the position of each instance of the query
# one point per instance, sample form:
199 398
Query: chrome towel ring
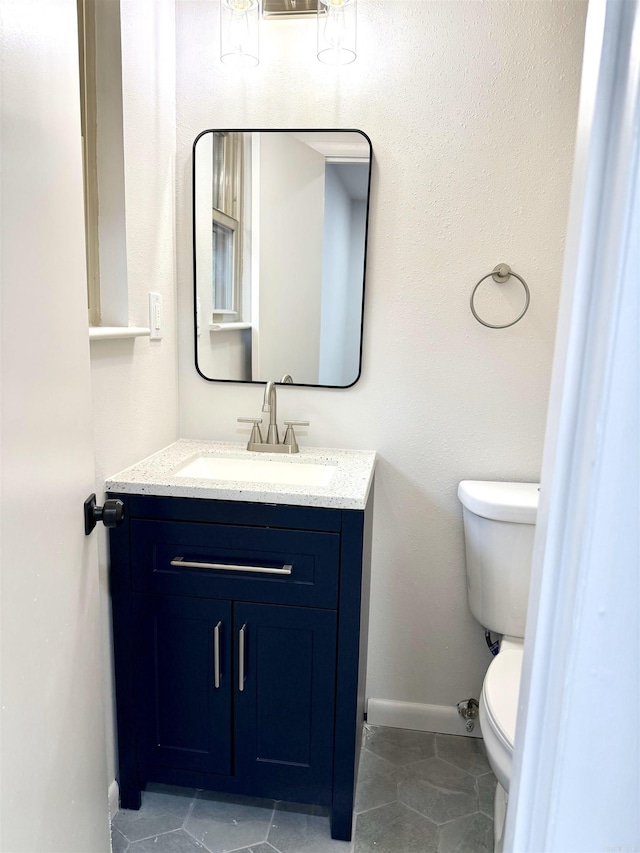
500 274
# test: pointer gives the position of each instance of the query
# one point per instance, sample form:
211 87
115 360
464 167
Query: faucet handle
290 436
256 435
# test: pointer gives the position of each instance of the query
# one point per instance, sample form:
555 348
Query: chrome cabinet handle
216 655
266 570
241 647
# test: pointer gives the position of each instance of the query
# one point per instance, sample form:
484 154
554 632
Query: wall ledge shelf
228 327
106 333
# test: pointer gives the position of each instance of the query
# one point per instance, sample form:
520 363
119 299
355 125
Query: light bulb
334 26
336 31
238 30
239 24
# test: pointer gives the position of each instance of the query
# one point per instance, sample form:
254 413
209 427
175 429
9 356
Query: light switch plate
155 316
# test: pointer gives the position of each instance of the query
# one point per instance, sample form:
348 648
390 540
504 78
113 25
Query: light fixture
336 31
288 8
239 38
336 25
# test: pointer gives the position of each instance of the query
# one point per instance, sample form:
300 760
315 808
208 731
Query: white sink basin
290 473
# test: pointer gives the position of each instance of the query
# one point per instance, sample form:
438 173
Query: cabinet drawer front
223 561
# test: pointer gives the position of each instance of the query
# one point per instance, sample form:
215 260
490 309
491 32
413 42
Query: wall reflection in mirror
280 225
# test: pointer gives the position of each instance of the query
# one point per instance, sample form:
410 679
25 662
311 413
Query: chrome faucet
269 405
272 442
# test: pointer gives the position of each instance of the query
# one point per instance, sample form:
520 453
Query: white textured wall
471 109
134 380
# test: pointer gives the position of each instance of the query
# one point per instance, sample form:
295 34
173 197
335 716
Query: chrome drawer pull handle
241 635
265 570
216 655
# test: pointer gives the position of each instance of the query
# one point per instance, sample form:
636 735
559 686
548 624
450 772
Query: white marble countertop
157 475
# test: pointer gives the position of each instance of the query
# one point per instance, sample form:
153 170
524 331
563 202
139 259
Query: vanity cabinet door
284 693
183 683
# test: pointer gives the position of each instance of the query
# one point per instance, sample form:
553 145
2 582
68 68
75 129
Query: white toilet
499 526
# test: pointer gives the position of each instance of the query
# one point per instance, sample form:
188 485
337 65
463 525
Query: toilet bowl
498 711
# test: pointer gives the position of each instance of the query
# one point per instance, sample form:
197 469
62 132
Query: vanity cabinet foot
240 649
341 822
130 798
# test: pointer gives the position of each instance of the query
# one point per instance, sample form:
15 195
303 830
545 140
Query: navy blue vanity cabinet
240 648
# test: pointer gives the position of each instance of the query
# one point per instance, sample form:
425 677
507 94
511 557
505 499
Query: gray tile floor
417 793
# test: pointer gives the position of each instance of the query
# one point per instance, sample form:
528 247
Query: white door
53 777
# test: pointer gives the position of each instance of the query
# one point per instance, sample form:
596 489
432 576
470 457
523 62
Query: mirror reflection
280 230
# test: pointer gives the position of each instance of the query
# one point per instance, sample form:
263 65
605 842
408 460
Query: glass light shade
336 31
239 37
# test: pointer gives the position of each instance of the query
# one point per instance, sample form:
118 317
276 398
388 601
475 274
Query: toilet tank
499 526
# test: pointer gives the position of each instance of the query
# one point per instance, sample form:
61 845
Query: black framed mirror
280 222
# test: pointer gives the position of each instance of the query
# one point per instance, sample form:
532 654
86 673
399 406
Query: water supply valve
468 710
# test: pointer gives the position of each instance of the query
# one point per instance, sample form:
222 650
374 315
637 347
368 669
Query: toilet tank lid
515 502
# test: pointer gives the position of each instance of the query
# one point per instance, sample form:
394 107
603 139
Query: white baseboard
114 798
443 719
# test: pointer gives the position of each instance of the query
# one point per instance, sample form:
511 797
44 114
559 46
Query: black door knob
111 514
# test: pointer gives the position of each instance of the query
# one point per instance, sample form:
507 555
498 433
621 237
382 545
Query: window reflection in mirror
226 216
280 228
